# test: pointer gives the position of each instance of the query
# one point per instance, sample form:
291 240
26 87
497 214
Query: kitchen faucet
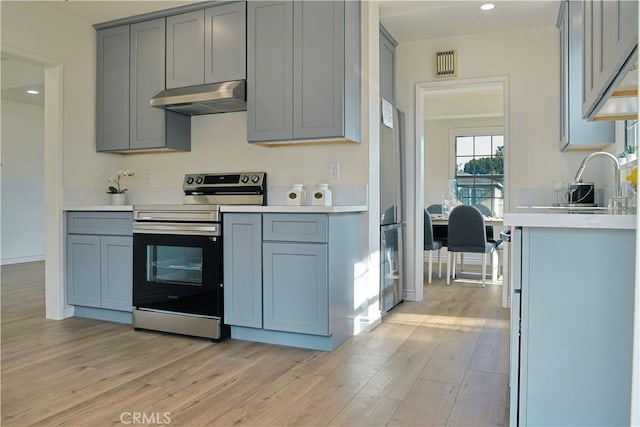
618 200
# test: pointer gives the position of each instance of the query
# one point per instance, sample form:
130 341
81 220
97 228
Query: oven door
178 273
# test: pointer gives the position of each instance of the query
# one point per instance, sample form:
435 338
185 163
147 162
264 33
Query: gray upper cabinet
387 65
112 109
124 87
575 132
303 61
225 43
270 70
206 46
610 46
185 49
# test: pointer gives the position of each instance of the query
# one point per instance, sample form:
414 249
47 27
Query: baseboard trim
22 259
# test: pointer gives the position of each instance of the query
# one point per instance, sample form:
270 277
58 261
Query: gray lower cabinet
303 80
289 278
206 46
99 264
131 70
575 132
572 328
296 289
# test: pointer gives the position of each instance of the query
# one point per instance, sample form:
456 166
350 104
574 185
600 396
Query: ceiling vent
446 63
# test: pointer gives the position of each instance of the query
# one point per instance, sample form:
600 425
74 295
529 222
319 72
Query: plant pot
118 199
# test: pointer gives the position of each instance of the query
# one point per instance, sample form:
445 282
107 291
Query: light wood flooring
443 361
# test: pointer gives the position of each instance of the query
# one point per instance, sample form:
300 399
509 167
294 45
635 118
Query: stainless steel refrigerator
392 221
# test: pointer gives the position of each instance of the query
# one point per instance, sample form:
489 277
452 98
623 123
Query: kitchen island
572 317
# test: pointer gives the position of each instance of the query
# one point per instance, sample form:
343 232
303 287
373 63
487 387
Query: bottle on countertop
321 196
296 195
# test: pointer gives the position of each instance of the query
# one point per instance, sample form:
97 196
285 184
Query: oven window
174 264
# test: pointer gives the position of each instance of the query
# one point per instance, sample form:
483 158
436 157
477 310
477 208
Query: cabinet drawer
295 227
116 223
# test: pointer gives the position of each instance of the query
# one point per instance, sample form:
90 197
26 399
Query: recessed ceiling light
32 92
487 6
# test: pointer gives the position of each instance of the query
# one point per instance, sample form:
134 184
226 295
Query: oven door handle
177 228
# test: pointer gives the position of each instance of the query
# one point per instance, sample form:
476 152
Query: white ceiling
406 20
19 75
430 19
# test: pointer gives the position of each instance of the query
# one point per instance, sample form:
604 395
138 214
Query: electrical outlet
147 175
334 170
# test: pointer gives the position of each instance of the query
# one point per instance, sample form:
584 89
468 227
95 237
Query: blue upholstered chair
435 210
484 210
431 245
467 234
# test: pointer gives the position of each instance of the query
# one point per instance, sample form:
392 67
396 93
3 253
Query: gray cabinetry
387 65
301 291
131 69
185 49
243 269
112 109
610 31
302 71
206 46
572 361
575 132
225 43
99 264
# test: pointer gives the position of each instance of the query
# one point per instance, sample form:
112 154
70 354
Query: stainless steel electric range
177 255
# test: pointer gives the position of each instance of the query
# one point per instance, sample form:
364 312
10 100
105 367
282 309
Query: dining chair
435 209
467 234
484 210
431 245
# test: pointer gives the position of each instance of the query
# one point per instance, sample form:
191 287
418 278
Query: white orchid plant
114 181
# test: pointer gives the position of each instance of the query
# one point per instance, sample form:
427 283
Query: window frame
474 132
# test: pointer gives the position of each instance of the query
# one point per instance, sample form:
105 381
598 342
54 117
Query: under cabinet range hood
212 98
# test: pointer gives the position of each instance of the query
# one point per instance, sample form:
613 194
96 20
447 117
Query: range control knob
199 180
189 180
255 179
244 179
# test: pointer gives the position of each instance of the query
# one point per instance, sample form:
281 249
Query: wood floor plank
366 411
429 403
423 365
481 400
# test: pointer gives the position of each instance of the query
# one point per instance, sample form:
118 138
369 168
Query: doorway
444 106
53 179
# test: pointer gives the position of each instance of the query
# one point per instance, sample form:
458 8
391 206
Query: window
479 170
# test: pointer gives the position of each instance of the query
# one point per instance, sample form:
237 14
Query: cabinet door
270 70
116 272
318 69
83 270
619 34
185 49
387 68
296 293
112 106
592 61
225 43
243 270
147 129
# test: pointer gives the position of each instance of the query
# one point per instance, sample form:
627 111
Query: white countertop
553 218
108 208
292 209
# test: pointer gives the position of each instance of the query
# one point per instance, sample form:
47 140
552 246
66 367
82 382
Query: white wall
39 29
22 181
530 60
